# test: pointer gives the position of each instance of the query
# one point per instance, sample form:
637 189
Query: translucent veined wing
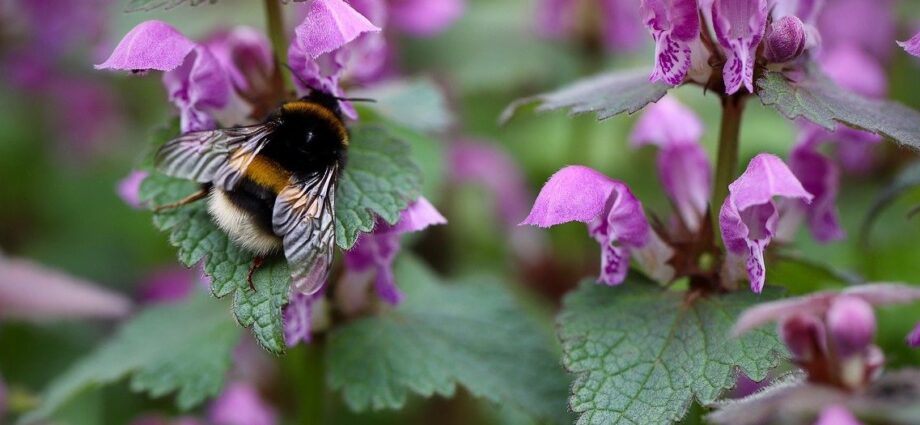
304 217
215 156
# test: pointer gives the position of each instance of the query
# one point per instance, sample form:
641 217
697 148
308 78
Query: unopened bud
804 335
851 323
785 40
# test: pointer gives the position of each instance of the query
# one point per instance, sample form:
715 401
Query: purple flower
683 168
621 25
851 323
167 285
54 27
821 178
913 339
298 317
853 69
425 18
128 188
785 40
614 217
32 291
240 404
868 25
912 46
675 27
748 217
739 25
316 54
836 415
805 336
487 164
194 79
378 250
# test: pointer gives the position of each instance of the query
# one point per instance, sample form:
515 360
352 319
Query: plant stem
727 162
278 38
313 396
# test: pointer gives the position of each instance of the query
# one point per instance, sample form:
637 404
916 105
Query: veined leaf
642 354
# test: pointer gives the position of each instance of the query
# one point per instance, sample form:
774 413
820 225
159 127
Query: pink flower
621 25
424 18
167 285
749 216
913 339
912 46
683 168
128 188
241 404
487 164
614 217
836 415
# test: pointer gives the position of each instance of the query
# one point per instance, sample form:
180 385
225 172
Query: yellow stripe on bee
267 173
321 111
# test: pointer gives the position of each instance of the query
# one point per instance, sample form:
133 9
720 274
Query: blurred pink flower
33 292
621 25
424 18
845 23
168 285
913 339
836 415
912 46
128 188
241 404
477 162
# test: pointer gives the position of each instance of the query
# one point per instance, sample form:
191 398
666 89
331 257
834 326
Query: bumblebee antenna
291 70
357 99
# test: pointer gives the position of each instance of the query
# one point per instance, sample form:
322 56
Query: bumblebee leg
256 264
184 201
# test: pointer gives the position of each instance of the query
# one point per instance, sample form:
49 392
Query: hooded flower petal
128 188
245 55
425 18
614 217
32 291
844 23
198 87
150 45
851 323
329 25
241 404
912 46
805 336
821 178
574 193
853 69
683 166
913 339
748 217
667 122
675 25
379 249
739 26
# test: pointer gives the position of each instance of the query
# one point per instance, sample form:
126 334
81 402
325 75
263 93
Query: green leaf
606 95
442 335
379 179
184 348
148 5
817 99
417 104
641 354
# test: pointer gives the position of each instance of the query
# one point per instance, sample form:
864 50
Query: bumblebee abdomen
243 218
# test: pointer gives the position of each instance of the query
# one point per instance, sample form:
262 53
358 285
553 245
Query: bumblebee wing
217 156
304 217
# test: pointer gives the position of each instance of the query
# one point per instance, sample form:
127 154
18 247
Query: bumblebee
271 186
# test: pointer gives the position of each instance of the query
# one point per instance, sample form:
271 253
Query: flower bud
851 323
804 335
785 40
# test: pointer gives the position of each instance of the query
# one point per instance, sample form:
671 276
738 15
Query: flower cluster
748 219
830 333
692 35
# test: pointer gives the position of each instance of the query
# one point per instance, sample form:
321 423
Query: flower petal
836 415
197 88
417 216
556 18
912 46
128 188
245 55
913 339
34 292
486 164
622 231
241 404
739 25
298 315
821 178
686 174
425 18
748 217
621 25
805 336
853 69
574 193
851 323
667 122
329 25
674 25
150 45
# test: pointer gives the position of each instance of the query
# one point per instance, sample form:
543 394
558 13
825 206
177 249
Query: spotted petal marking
215 156
304 217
